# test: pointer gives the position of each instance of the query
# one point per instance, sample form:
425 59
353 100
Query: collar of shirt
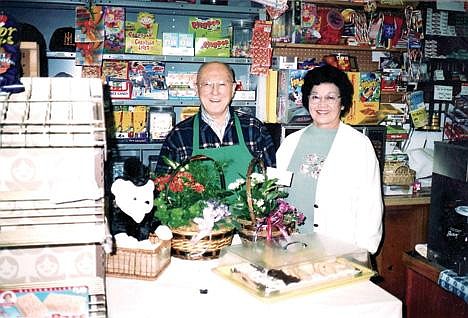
211 122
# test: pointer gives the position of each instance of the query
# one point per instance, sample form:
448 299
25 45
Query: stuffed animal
133 202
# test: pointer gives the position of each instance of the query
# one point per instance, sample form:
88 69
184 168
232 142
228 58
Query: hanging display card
141 36
114 25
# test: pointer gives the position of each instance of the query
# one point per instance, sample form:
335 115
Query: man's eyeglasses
208 86
329 99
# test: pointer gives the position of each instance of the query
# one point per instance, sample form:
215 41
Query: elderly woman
336 181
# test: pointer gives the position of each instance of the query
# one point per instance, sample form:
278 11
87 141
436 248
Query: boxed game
289 108
177 44
211 27
131 123
216 47
181 85
366 98
305 263
148 79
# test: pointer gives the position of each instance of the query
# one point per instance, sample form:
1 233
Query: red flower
179 182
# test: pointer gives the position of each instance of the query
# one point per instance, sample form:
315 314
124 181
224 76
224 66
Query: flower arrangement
267 205
192 194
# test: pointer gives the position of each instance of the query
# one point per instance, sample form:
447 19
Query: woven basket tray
207 248
139 263
397 173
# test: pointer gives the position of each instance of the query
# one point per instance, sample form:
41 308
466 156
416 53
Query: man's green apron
237 156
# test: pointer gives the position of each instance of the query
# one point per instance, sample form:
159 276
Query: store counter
405 225
191 288
424 296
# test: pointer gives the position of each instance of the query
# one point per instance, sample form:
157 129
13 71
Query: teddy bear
131 217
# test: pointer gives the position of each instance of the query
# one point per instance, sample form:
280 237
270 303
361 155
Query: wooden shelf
307 51
349 4
335 47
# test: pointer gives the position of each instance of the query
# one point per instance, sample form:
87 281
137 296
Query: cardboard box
213 47
30 59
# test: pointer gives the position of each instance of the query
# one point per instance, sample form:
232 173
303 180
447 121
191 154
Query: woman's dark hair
328 74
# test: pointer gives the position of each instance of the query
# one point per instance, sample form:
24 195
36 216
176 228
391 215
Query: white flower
259 203
236 184
257 178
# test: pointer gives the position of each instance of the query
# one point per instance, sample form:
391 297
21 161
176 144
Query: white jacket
348 196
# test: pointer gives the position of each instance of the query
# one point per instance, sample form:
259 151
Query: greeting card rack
52 209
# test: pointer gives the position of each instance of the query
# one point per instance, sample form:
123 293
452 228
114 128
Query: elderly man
217 131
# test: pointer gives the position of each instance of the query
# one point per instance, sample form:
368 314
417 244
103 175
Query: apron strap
196 131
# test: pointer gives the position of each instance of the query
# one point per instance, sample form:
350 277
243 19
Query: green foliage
184 192
264 193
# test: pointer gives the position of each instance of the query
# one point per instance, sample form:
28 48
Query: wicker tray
207 248
139 263
398 173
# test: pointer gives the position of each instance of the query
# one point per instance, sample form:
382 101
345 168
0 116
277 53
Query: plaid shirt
178 145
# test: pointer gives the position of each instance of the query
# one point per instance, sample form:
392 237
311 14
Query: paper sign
443 92
284 176
453 5
464 90
419 117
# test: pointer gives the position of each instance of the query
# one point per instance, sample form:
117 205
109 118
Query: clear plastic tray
306 263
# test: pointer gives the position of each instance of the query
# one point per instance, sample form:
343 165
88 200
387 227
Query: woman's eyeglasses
329 99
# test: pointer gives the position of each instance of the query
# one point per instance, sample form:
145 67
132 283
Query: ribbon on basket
213 212
274 220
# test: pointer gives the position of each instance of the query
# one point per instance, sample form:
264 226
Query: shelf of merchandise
348 4
240 10
162 58
302 51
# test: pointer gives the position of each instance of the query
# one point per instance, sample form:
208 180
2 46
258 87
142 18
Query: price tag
443 92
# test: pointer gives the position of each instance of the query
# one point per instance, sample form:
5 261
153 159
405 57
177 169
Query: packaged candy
10 55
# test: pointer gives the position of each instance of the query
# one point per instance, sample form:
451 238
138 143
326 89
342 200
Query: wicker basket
208 247
398 173
139 263
248 231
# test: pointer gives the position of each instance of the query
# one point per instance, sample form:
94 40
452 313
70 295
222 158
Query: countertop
420 198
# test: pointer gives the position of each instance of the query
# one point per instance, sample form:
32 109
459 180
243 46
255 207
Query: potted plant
191 200
258 208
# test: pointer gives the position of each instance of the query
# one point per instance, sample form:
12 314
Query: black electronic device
448 216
